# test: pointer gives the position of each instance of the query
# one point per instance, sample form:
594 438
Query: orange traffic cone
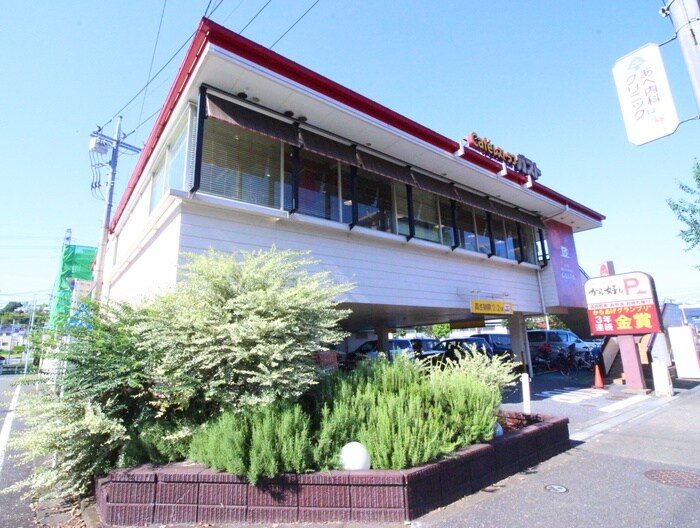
598 379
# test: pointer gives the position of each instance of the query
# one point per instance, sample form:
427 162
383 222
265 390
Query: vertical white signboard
645 95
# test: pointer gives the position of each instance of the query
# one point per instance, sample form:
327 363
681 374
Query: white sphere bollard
354 456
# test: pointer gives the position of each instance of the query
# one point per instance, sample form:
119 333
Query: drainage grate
673 477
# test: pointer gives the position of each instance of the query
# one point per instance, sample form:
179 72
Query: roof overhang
228 62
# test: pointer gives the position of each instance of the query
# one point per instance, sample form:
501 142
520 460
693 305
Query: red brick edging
189 493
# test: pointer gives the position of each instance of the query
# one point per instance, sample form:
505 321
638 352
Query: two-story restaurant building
252 150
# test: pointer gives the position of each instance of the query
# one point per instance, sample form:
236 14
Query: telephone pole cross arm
116 144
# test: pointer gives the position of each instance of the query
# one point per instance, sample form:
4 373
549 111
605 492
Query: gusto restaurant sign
517 162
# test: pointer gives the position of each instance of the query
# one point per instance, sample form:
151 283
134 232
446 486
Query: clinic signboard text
645 96
622 304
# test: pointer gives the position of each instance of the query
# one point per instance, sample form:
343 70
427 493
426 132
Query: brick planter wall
191 493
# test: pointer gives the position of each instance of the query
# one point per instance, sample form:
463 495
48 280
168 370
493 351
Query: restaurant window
319 193
240 165
505 236
374 202
425 215
481 229
346 193
466 227
527 240
446 223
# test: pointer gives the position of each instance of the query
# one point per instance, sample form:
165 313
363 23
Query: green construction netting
76 263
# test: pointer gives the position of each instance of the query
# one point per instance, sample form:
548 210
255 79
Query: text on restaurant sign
517 162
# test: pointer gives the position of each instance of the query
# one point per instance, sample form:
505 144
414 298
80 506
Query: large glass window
481 228
240 165
505 236
527 238
446 224
254 168
374 202
176 162
426 217
319 194
467 230
346 191
157 186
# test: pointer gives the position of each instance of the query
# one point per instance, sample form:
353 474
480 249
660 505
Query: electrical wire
148 83
295 23
256 16
153 56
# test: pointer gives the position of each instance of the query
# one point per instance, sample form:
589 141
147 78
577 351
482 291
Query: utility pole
685 16
101 144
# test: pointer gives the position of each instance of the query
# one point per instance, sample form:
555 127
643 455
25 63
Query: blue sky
535 77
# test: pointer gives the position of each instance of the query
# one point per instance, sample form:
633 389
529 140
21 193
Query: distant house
253 150
12 336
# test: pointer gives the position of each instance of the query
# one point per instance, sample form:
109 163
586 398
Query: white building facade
252 150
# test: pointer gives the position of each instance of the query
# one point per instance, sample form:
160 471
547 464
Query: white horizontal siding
152 264
385 269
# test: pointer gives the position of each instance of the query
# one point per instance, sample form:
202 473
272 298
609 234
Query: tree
440 331
688 211
539 322
13 312
236 331
241 330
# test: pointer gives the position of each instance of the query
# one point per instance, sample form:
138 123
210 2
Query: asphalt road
15 512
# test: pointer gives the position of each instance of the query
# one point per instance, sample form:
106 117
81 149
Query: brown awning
385 168
441 188
327 147
474 200
518 215
241 116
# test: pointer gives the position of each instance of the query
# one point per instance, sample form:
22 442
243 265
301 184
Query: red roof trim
563 200
211 32
194 53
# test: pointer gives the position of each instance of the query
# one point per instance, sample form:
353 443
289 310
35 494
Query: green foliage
76 440
237 331
688 211
257 442
240 332
540 322
441 331
406 414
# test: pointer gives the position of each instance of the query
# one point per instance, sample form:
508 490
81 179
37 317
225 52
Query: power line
256 16
295 23
153 57
172 57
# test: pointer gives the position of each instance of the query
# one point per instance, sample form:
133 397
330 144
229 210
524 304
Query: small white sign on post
645 96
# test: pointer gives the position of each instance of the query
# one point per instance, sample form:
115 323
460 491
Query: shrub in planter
258 442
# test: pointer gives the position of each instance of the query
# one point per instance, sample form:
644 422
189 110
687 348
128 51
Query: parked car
500 343
416 347
557 341
370 350
448 347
